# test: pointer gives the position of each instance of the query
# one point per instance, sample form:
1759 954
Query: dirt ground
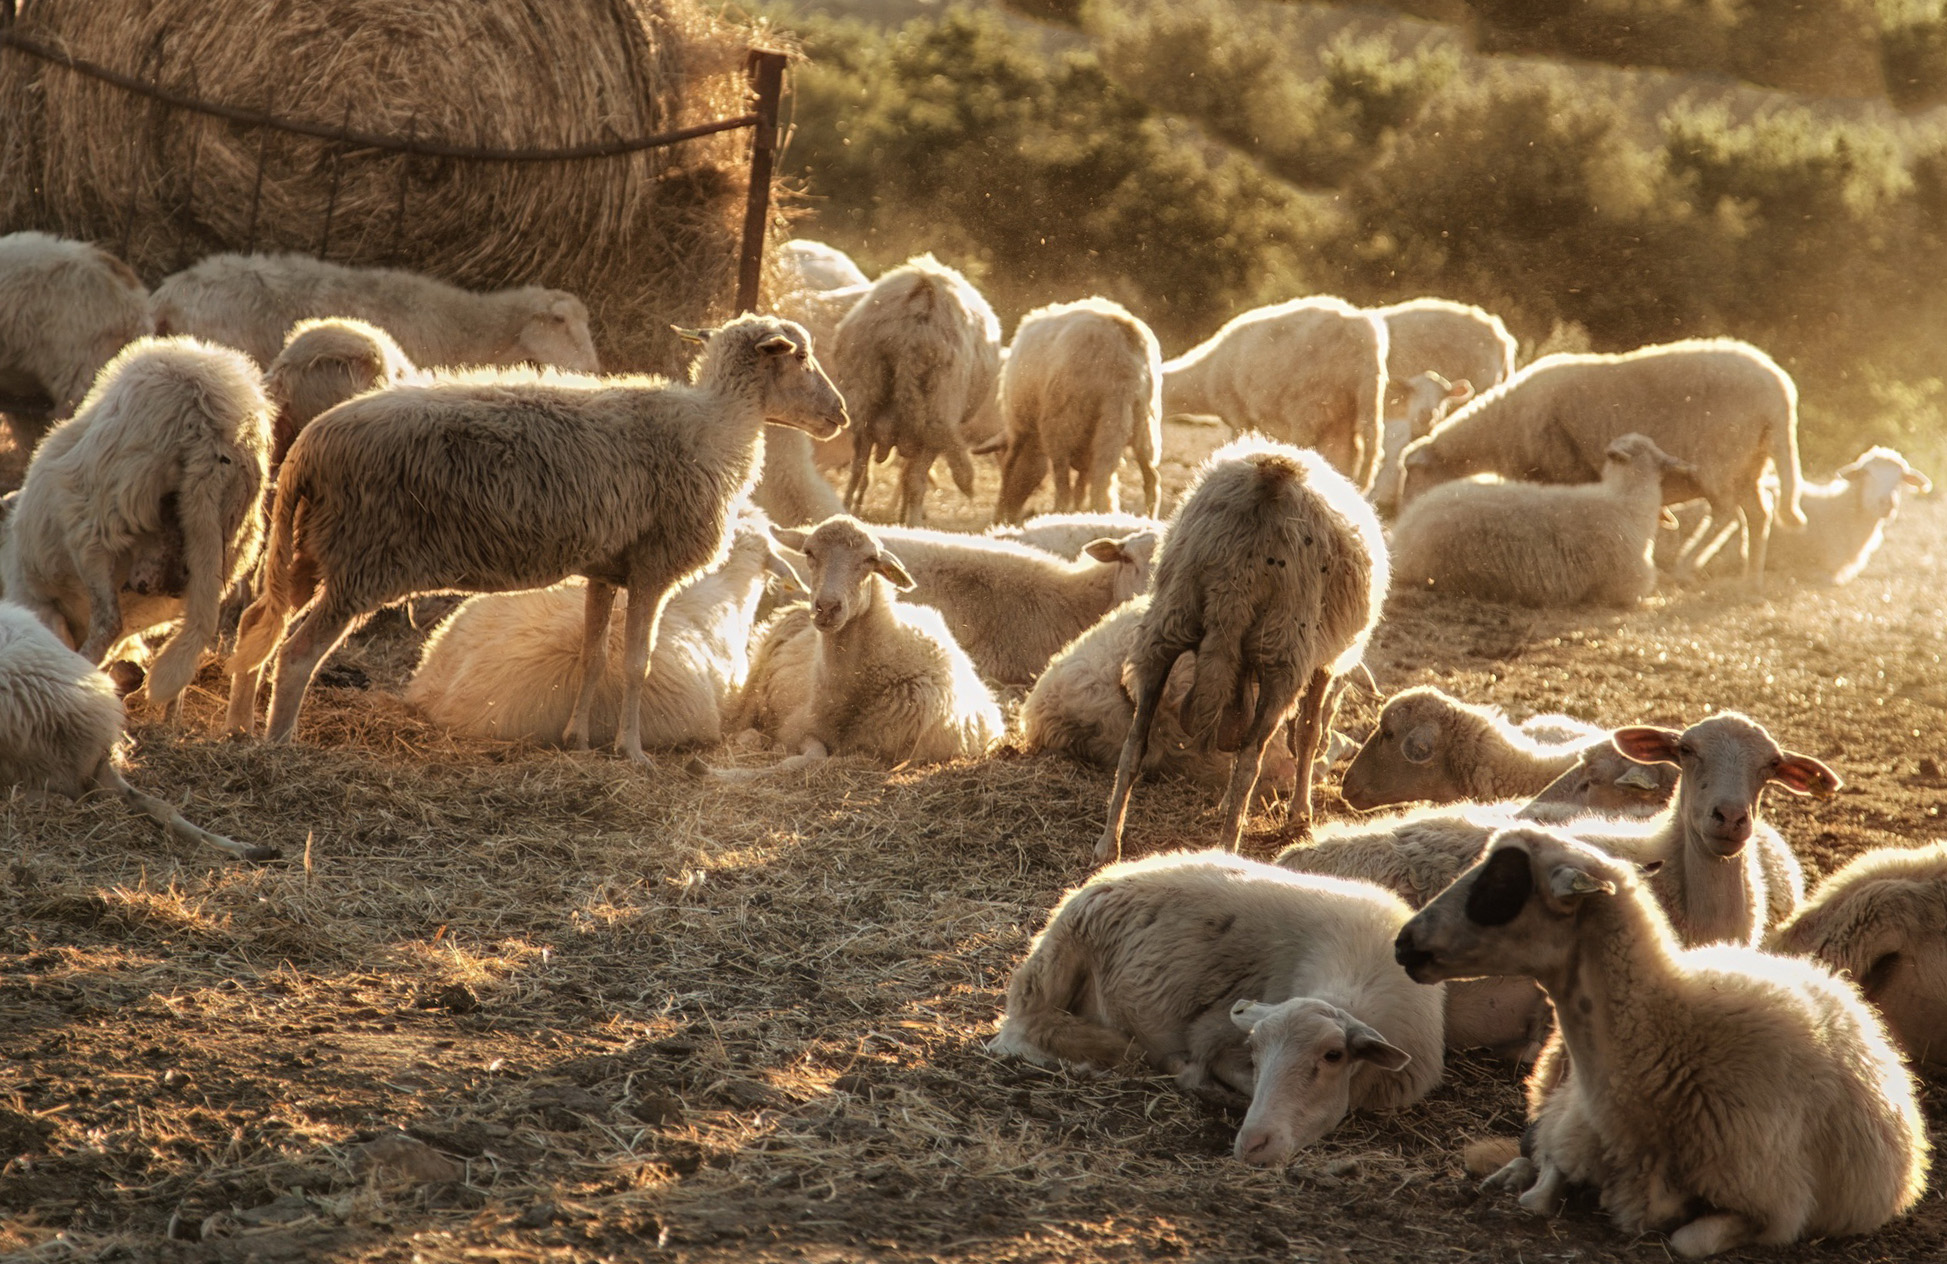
510 1003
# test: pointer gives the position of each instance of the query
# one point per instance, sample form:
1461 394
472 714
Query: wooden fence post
767 72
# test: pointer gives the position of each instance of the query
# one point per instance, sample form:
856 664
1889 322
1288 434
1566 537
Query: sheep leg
109 778
1707 1235
1021 472
1307 732
1757 534
597 605
104 608
861 479
1150 674
914 478
1276 691
258 632
639 627
317 633
203 541
1102 467
1519 1172
1546 1195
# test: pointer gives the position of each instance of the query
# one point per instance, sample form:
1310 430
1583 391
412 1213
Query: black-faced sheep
66 308
1433 747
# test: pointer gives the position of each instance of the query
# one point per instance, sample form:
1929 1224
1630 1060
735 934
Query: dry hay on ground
635 1015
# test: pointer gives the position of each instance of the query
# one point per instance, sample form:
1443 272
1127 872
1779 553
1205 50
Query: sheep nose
1731 821
824 613
1409 954
1255 1149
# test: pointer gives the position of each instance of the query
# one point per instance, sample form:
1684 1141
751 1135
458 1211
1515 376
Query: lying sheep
1720 1095
251 301
1424 401
1069 534
499 485
161 472
323 364
804 264
1011 606
1882 920
60 724
860 672
1311 372
1273 572
1431 746
1232 975
1539 545
508 665
1721 405
790 489
1603 779
917 358
66 308
1082 382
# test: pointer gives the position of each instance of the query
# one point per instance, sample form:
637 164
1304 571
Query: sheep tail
960 462
1784 454
109 778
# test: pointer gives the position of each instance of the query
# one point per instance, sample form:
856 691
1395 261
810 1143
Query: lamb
1232 975
1423 401
812 265
917 358
1604 780
1429 745
790 489
508 665
1311 372
1721 405
1720 1095
860 671
1011 606
1082 382
60 725
499 485
1069 534
161 474
66 308
250 302
1273 571
1539 545
323 364
1882 920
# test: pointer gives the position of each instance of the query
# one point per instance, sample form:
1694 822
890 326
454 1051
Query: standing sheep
1428 745
66 308
251 301
161 470
1082 382
1723 406
323 364
1539 545
1069 534
520 483
1426 398
1311 372
1235 977
917 358
1273 571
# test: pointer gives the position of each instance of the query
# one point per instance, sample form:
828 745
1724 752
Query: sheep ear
1916 480
776 345
1418 743
1801 774
1248 1014
790 537
1648 867
893 570
1638 778
1646 744
786 573
1106 551
1368 1045
1667 519
692 335
1460 390
1501 888
1567 883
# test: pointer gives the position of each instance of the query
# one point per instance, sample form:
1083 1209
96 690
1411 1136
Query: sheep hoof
1107 848
698 769
1519 1172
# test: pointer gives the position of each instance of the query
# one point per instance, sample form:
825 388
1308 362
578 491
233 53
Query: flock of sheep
1610 905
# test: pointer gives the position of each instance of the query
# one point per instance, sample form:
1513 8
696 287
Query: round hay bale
646 238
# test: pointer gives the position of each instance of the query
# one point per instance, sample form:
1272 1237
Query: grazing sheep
60 722
1425 399
1720 1095
1082 382
323 364
1069 534
1273 572
508 665
157 481
499 485
1721 405
1429 745
1456 341
1603 779
250 302
1540 545
1011 606
1883 921
66 308
1311 372
1232 975
812 265
858 671
917 358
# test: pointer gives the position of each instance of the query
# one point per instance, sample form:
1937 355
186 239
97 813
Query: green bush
1913 51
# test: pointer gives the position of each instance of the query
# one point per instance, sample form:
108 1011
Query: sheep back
66 309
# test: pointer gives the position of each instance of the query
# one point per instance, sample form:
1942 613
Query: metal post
337 167
256 193
767 74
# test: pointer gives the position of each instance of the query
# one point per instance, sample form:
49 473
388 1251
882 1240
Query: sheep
66 308
1011 606
812 265
324 363
1456 341
1603 779
1722 405
790 488
1069 534
1882 920
159 474
1082 382
858 670
498 485
250 302
1429 745
1424 399
1541 545
1311 372
1081 706
917 358
508 665
61 722
1720 1095
1237 978
1273 571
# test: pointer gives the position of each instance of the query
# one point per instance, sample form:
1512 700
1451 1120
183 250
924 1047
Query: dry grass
653 1018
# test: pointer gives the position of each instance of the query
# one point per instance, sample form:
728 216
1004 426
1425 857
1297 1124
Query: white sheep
790 489
1537 544
1311 372
1721 405
917 358
1456 341
60 725
251 301
495 485
804 264
1425 399
1604 780
159 474
1232 976
1429 745
1082 382
1882 920
66 308
1273 571
1721 1095
1069 534
324 363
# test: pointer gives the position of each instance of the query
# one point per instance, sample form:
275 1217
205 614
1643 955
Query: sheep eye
1335 1055
224 459
1685 751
